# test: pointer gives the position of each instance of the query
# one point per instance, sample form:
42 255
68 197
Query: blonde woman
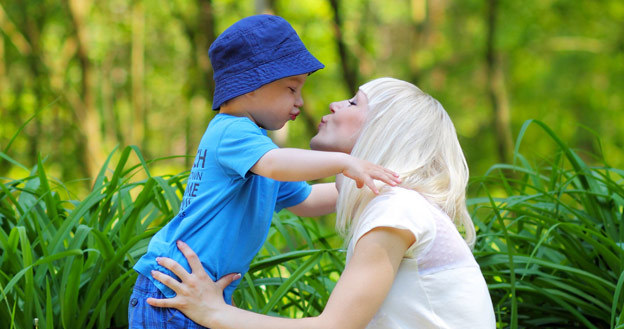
407 264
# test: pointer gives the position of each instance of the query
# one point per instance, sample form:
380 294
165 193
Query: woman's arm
356 298
367 278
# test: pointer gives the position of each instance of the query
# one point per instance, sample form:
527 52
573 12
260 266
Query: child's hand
364 172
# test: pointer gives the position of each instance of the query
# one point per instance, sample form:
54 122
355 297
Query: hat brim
241 83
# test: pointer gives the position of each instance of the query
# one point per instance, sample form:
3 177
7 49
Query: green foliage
295 272
551 245
67 262
551 242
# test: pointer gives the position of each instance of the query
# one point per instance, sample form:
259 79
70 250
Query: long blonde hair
409 132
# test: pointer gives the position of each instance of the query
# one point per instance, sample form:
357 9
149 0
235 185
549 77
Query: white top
439 283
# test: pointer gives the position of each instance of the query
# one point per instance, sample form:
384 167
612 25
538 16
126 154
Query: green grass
551 239
551 244
294 273
67 262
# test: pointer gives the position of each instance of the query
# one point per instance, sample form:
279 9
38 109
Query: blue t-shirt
226 210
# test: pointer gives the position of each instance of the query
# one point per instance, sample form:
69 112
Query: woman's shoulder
401 205
401 197
401 208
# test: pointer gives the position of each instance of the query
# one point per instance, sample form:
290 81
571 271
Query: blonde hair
409 132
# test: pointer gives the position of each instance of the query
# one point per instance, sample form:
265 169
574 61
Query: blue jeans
143 315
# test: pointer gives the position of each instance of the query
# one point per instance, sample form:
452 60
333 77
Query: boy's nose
299 102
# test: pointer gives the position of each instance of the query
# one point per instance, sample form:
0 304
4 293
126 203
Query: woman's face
339 130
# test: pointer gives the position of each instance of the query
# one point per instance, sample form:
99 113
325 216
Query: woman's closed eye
351 102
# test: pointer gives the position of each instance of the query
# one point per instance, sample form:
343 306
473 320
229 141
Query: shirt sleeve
291 194
241 145
402 209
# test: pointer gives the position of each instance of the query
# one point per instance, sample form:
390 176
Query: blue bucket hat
255 51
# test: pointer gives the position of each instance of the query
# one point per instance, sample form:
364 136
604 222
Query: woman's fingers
165 302
174 267
168 281
227 279
191 257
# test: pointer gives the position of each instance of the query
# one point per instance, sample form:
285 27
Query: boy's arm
290 164
321 201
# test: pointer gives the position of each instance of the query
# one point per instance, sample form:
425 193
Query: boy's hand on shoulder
365 173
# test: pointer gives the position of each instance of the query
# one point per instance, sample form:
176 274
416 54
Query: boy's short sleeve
402 209
291 194
241 145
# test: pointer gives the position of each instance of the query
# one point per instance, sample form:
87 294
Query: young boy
240 177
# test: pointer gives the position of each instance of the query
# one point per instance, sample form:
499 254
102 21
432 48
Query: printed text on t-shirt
194 180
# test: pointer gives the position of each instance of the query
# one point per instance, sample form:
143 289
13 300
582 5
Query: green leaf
291 281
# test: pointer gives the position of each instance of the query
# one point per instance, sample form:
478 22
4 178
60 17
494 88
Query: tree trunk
112 130
88 119
33 24
138 134
4 111
201 34
349 73
496 90
418 37
205 38
2 72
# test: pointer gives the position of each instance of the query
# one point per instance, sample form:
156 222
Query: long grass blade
283 289
616 298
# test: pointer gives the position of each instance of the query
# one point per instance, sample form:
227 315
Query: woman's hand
197 296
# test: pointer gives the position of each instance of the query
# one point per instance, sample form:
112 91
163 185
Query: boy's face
273 104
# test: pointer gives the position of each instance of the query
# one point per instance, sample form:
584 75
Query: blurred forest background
79 77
